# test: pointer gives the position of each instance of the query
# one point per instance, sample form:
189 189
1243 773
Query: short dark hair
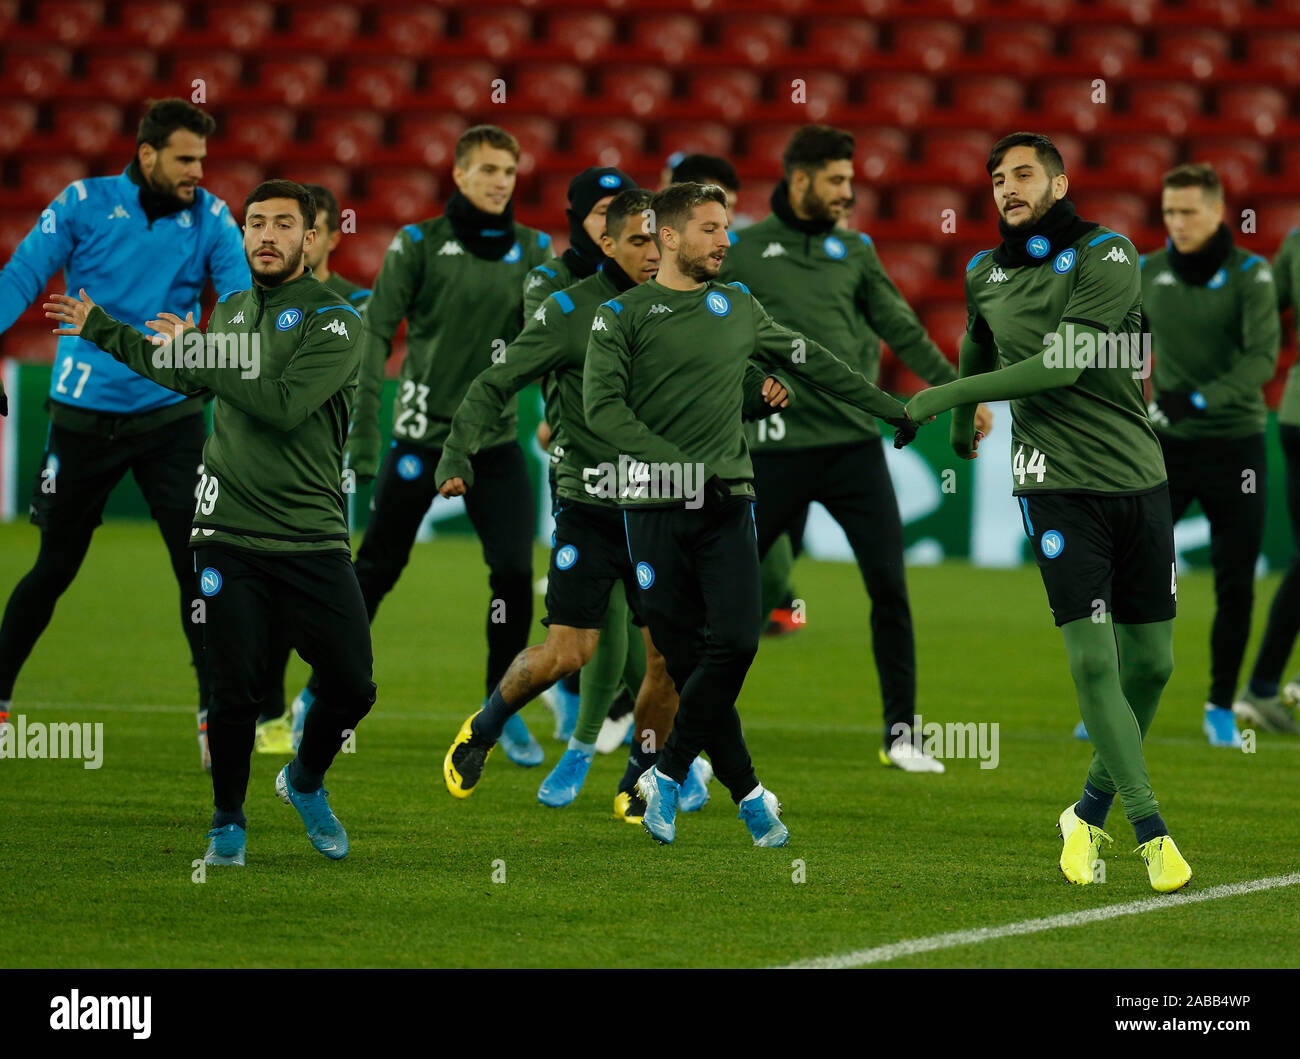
327 206
706 169
813 146
629 203
491 135
1195 175
1044 149
165 116
674 205
285 189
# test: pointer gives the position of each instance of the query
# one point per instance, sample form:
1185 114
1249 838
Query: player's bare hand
453 487
775 393
70 313
169 326
983 421
543 436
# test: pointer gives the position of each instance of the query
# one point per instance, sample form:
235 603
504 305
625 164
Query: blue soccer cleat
760 814
564 704
1221 727
519 745
226 847
695 791
302 703
1081 731
660 794
566 779
323 827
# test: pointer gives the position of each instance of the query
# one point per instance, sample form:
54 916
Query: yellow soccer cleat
629 807
274 737
463 765
1165 865
1082 847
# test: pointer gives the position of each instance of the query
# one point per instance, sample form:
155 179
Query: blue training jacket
96 231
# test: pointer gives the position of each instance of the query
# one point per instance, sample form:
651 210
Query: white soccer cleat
905 755
613 734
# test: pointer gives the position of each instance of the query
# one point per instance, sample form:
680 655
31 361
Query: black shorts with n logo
1104 555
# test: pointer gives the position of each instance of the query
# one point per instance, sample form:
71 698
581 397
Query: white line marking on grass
899 949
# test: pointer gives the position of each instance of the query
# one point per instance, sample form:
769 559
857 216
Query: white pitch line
899 949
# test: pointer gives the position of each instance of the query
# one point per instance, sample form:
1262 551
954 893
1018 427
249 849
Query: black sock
1094 806
572 682
1149 827
622 705
301 780
638 761
496 711
225 817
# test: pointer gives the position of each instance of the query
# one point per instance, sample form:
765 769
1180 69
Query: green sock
1118 764
601 676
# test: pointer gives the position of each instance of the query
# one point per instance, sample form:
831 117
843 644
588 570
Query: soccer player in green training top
589 195
663 384
275 734
1260 702
457 279
589 557
1212 313
827 282
270 534
1053 316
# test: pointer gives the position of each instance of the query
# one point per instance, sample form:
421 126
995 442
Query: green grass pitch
96 865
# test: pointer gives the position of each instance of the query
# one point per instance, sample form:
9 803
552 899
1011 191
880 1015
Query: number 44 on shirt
1036 466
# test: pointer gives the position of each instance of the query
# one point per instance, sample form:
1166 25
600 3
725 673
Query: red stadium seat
607 141
934 45
865 208
958 155
17 120
152 22
219 72
325 27
462 84
925 206
1112 48
88 128
498 32
407 194
121 75
46 177
327 174
8 13
946 323
258 132
725 93
383 83
1257 107
1141 160
1070 100
431 137
412 31
849 41
1201 53
1139 12
907 98
537 137
293 80
69 22
640 89
552 88
912 266
239 25
671 37
231 179
760 39
350 136
35 70
1238 161
820 93
695 137
361 254
1118 210
754 202
1049 10
1276 218
989 102
878 152
581 34
1275 54
765 144
1173 104
1022 48
1225 12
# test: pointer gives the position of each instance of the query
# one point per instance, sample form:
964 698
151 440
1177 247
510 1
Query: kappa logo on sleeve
1117 254
598 324
337 327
